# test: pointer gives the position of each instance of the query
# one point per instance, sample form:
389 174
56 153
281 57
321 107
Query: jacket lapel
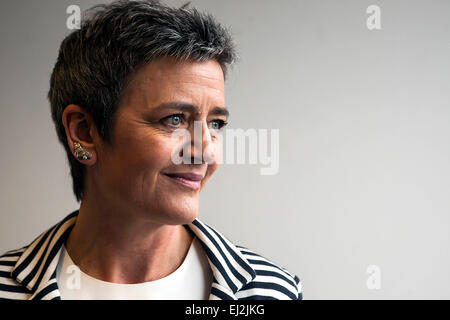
231 270
36 267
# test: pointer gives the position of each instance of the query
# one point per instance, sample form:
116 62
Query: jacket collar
36 267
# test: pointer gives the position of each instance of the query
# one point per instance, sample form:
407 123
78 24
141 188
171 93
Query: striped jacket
238 273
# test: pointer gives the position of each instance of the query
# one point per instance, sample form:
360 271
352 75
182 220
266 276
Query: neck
111 245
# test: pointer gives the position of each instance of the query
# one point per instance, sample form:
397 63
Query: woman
135 74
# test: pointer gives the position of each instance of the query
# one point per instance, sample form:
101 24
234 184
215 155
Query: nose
200 142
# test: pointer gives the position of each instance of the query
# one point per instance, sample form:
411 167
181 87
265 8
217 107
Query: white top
191 281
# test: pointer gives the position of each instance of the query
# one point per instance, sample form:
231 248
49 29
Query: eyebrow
183 106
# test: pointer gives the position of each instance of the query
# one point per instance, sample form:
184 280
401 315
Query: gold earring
80 152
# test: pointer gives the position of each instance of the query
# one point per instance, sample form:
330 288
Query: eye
218 124
173 120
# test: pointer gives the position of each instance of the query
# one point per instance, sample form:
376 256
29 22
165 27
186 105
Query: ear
80 128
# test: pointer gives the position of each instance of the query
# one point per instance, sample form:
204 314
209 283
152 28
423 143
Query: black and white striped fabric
238 273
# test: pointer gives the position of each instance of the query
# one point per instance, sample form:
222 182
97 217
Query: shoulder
272 281
9 288
248 274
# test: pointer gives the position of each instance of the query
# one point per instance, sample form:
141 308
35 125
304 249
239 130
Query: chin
179 214
182 218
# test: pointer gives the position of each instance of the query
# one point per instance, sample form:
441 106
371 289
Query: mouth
190 180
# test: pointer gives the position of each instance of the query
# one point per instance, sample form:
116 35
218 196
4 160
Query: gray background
364 139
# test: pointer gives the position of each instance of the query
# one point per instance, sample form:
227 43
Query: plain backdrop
363 118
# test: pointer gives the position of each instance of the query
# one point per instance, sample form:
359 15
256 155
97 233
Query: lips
188 179
186 176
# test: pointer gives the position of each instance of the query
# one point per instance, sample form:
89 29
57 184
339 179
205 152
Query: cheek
140 173
142 155
155 155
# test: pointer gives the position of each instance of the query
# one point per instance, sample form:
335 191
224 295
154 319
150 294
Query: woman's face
133 172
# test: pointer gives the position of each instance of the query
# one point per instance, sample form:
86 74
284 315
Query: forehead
167 79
